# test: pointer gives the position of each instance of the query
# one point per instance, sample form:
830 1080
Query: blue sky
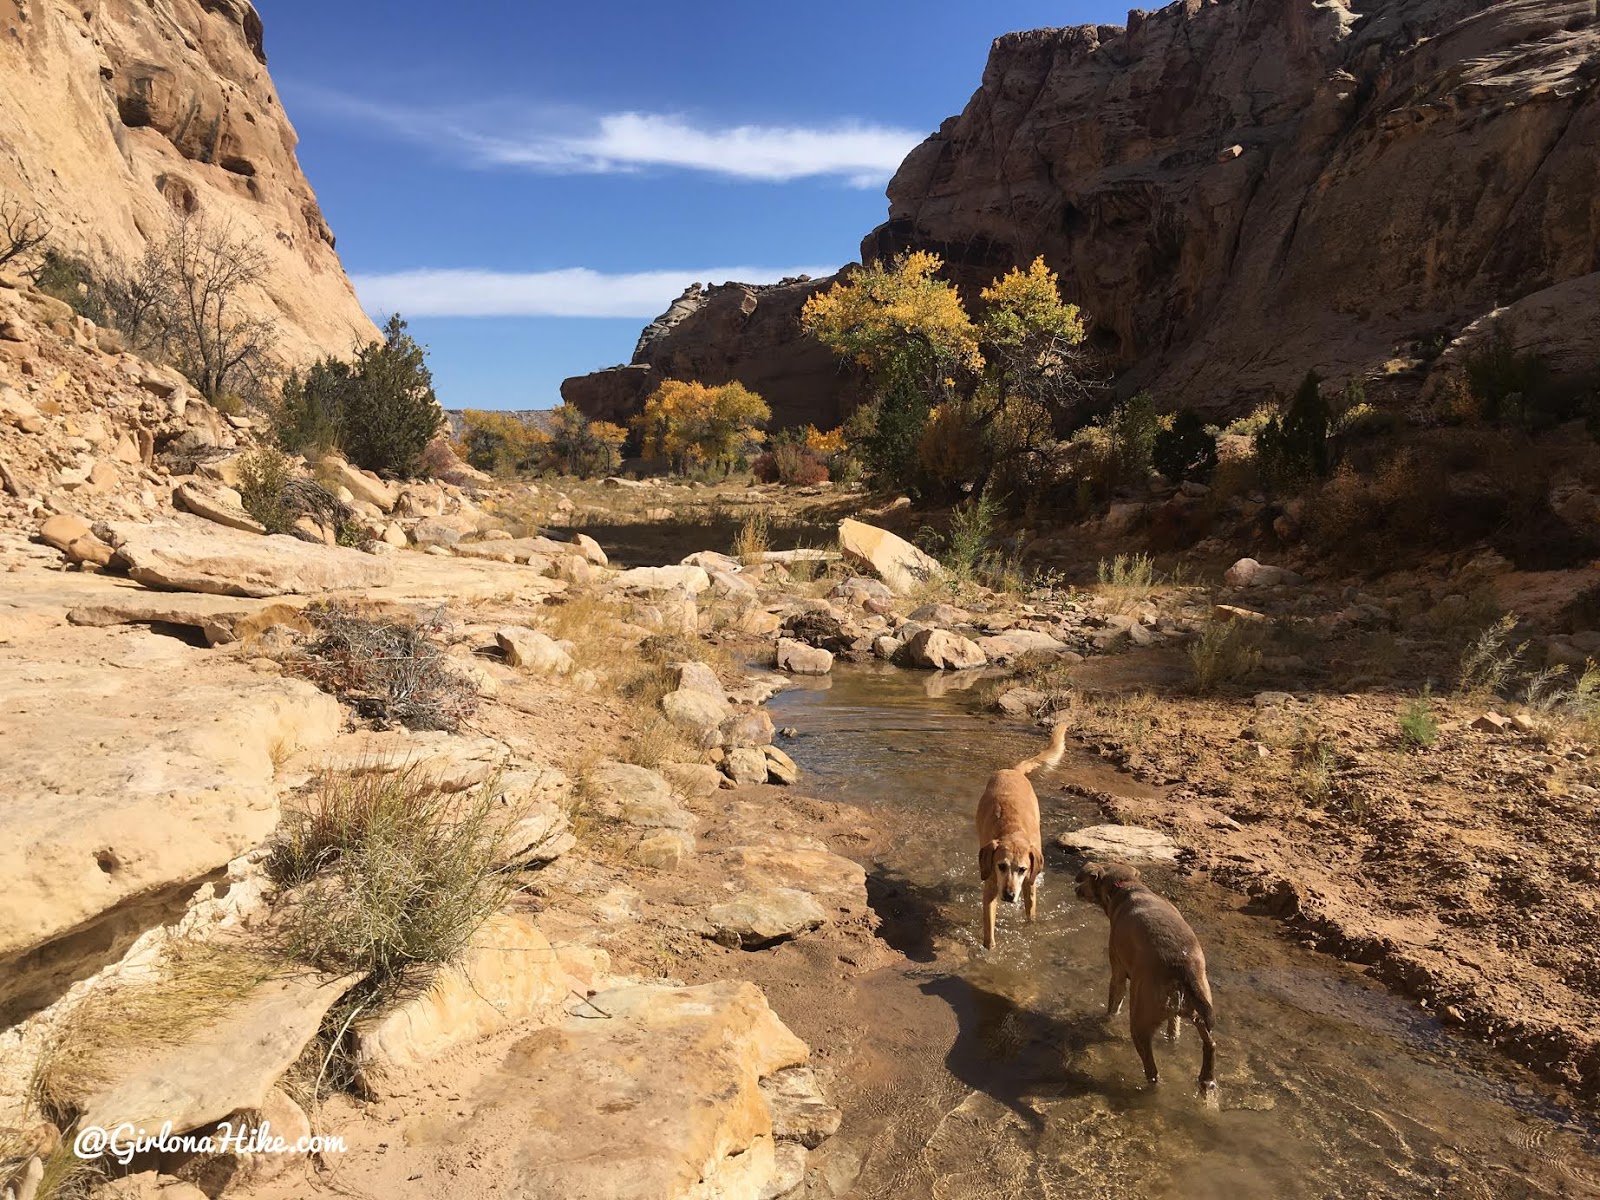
465 154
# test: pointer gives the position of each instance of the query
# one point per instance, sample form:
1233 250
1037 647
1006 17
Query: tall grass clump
388 872
1490 660
1419 728
1223 652
1127 578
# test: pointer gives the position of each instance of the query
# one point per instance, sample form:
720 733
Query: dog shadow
1013 1052
911 916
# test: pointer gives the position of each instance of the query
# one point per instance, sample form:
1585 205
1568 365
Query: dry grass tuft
752 540
1127 579
197 984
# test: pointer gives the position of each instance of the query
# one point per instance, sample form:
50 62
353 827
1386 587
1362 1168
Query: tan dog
1157 958
1010 854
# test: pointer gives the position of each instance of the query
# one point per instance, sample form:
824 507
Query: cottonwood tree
212 337
689 424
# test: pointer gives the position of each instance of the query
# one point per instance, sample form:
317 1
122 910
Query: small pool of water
996 1075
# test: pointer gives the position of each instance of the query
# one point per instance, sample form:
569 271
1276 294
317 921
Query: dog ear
1035 861
986 859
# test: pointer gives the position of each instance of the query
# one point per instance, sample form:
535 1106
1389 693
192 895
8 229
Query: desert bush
1512 387
391 671
1491 660
500 443
389 411
1223 652
791 461
379 409
1316 758
23 230
581 447
1186 449
309 417
1292 446
74 282
1127 579
265 475
1418 726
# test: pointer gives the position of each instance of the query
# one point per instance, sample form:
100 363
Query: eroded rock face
736 331
120 115
1238 192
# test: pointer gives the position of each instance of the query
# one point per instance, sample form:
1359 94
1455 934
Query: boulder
665 849
698 677
941 650
746 764
636 796
649 580
898 563
509 975
230 563
781 768
219 508
590 549
1014 643
747 727
800 659
363 485
431 531
533 651
1021 702
1248 573
699 714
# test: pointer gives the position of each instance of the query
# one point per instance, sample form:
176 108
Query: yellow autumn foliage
881 312
689 424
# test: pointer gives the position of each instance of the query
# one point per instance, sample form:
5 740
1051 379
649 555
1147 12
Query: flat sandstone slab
211 558
134 764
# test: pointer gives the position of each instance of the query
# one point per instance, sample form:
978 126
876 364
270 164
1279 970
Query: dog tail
1197 993
1048 757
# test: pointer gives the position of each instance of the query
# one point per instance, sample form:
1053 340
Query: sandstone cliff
735 331
119 112
1238 190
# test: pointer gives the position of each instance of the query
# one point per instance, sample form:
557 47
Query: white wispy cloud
571 292
566 141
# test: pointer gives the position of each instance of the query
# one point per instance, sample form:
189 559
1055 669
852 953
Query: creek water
997 1075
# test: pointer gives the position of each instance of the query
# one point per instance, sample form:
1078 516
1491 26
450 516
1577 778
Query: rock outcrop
119 115
736 331
1239 191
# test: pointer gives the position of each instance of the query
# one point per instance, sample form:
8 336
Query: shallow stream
997 1075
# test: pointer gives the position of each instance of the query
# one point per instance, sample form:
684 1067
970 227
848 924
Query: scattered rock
763 917
1021 702
746 764
800 1112
1117 843
220 509
665 850
688 580
780 767
698 713
1492 722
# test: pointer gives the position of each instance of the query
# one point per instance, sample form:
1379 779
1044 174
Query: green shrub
380 409
72 281
1186 449
265 475
1134 427
1418 726
1292 447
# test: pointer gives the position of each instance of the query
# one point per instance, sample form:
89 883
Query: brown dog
1010 854
1157 958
